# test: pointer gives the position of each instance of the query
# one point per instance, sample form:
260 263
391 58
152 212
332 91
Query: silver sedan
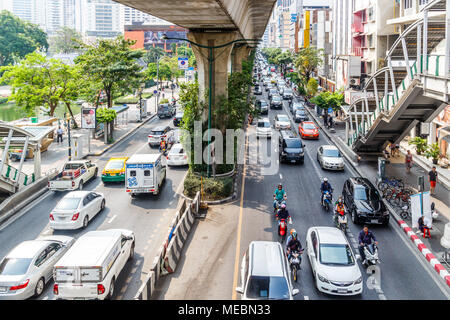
330 158
29 266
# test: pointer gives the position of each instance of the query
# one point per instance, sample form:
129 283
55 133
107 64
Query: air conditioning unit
355 81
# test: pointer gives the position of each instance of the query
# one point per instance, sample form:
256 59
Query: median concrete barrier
169 253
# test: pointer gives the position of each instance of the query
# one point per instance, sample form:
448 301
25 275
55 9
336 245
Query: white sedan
330 158
76 209
282 122
332 262
177 156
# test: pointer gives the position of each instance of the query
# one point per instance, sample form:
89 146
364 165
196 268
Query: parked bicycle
390 182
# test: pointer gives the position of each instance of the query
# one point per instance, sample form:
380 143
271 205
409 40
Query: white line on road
112 219
46 231
45 298
306 297
281 176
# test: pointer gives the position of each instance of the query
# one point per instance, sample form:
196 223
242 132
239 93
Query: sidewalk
396 168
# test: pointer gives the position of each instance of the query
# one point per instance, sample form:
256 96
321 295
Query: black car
291 147
300 115
177 119
257 91
276 102
262 106
363 202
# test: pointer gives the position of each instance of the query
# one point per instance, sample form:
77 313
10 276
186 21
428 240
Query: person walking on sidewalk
408 161
432 177
59 134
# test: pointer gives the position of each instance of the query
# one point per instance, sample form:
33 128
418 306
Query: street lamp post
210 63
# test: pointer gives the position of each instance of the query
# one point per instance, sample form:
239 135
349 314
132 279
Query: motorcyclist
325 186
283 213
162 145
279 195
293 245
365 238
290 236
339 209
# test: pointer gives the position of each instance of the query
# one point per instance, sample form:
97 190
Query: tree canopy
39 81
152 55
327 99
113 64
66 40
307 60
19 38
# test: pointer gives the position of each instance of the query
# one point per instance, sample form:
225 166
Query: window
407 4
114 165
14 266
147 173
314 242
51 249
261 287
123 241
422 2
332 153
336 254
294 143
41 258
133 173
68 204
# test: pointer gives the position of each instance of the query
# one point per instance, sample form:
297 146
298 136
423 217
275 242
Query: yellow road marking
238 240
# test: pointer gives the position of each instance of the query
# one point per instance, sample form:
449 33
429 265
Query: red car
308 129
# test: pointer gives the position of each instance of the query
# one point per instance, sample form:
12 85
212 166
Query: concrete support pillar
37 161
432 134
241 54
220 61
6 150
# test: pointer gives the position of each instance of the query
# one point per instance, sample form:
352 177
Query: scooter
371 253
341 221
278 205
294 262
327 198
282 230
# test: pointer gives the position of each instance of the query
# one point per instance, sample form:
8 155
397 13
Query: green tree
152 55
328 99
66 40
271 54
283 60
19 38
307 60
39 81
312 87
113 64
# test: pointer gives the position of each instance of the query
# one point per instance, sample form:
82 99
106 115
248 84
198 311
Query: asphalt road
148 216
404 275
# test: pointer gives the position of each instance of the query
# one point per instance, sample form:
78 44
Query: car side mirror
240 290
432 206
304 145
295 292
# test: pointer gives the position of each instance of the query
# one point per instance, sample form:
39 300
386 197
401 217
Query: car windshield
276 98
283 118
294 143
331 153
14 266
309 126
336 254
177 150
116 164
179 115
263 124
275 288
156 133
68 204
300 112
289 91
363 194
263 104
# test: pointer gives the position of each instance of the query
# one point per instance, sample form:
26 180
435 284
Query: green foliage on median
213 189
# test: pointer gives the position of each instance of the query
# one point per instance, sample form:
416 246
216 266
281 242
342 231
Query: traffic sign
183 63
155 91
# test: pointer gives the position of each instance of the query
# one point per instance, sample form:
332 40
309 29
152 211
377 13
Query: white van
90 267
144 173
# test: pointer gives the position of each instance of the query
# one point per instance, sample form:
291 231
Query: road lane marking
238 240
46 231
178 192
306 297
281 176
112 219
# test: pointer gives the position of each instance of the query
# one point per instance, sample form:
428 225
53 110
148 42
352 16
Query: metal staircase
11 180
414 86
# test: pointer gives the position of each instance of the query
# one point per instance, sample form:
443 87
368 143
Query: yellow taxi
114 170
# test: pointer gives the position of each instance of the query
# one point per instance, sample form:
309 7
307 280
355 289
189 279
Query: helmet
292 231
280 185
283 206
340 200
325 180
294 235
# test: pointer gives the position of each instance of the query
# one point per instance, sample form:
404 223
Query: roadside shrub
213 189
3 100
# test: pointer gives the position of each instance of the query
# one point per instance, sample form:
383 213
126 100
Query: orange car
308 129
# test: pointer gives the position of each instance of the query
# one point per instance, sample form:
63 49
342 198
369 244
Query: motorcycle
282 229
327 198
371 253
278 205
341 221
294 262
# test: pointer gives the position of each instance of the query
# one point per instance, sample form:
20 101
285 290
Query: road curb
121 138
434 262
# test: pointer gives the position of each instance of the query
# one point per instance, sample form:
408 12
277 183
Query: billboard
88 118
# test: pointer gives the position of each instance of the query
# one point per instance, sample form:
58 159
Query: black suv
262 106
363 202
291 147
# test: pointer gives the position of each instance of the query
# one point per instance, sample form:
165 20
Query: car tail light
48 184
163 136
21 285
51 217
100 289
185 157
75 216
167 158
150 136
55 289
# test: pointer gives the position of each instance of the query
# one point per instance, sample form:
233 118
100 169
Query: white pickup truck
73 175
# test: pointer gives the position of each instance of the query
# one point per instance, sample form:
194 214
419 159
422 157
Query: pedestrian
59 134
397 150
432 177
325 118
392 147
330 122
408 161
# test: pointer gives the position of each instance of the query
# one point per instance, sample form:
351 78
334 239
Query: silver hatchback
29 266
